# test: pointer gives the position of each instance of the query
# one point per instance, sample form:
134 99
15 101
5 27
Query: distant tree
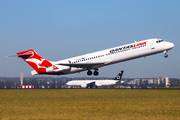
2 84
59 83
25 82
45 83
54 83
174 82
178 82
66 80
146 83
140 82
40 84
163 82
9 84
35 83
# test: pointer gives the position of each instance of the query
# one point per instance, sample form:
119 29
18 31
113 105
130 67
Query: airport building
163 80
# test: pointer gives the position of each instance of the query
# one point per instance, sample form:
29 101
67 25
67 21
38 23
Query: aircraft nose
171 45
168 45
67 83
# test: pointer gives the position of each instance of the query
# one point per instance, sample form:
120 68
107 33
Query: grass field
106 104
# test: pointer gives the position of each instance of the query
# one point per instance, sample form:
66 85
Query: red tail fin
35 61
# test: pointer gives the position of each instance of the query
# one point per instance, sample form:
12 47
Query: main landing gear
165 54
89 72
96 73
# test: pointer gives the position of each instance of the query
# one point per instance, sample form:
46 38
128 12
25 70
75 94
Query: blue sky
62 29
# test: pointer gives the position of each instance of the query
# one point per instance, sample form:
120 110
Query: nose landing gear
165 55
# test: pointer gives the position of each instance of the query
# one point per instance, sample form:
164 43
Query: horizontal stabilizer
24 55
12 56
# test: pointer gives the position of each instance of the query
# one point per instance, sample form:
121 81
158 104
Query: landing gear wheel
96 73
89 72
165 55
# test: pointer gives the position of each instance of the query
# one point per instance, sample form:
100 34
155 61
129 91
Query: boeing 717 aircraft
96 60
95 83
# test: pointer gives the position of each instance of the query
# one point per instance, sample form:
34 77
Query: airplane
95 60
95 83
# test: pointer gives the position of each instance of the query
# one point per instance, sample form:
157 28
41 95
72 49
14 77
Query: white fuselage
114 55
84 83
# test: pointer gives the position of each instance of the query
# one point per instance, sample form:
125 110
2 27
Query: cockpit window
159 41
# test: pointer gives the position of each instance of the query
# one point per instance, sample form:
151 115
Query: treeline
36 82
59 82
174 82
39 82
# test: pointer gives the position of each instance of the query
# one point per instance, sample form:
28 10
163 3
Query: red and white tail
38 63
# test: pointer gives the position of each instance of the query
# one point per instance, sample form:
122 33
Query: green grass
177 87
115 104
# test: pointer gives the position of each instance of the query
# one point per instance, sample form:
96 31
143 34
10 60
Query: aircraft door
152 46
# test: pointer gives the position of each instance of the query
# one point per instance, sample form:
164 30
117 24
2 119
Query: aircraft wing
88 85
92 84
82 65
